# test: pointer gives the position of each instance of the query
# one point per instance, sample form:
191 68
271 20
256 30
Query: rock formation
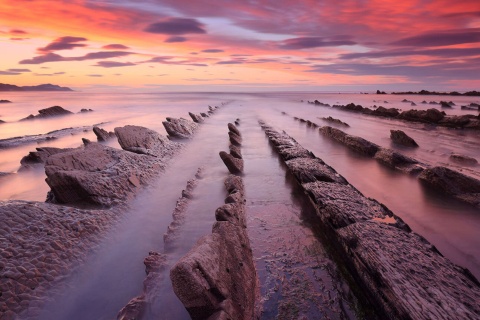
234 160
39 157
395 268
49 112
144 141
335 121
463 159
196 117
400 137
355 143
102 135
179 128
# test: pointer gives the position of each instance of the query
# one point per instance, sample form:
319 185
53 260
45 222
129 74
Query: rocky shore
398 271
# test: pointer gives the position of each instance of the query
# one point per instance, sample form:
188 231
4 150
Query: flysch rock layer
38 158
398 271
233 160
103 176
217 278
102 135
39 242
179 128
48 113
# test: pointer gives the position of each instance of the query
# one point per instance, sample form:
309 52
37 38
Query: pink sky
242 45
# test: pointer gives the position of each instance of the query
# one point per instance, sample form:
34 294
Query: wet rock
462 159
49 112
5 101
179 128
235 139
234 129
287 147
399 270
428 116
134 309
83 110
400 137
445 104
203 114
355 143
196 117
459 121
398 161
39 157
454 183
102 135
234 165
235 151
336 121
386 112
311 170
142 140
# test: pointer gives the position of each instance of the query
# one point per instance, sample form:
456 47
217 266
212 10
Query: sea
280 222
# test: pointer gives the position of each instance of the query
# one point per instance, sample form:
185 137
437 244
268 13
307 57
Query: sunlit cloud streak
176 26
64 43
53 57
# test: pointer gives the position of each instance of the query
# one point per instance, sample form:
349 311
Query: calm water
115 272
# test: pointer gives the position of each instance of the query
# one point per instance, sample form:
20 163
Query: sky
232 45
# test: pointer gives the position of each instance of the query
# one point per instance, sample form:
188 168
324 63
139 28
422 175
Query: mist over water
115 271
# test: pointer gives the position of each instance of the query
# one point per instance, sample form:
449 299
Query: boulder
39 157
462 159
445 104
142 140
5 101
386 112
203 114
179 128
234 165
83 110
398 161
49 112
428 116
102 135
355 143
400 137
196 117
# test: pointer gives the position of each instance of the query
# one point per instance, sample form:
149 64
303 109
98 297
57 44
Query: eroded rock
196 117
355 143
179 128
39 157
234 165
49 112
463 159
102 135
142 140
400 137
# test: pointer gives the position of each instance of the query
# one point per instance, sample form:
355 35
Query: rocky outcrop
233 161
453 183
399 161
103 176
49 112
155 264
102 135
427 116
401 138
335 121
40 243
5 101
393 268
83 110
196 117
39 157
463 159
179 128
355 143
217 278
385 112
233 164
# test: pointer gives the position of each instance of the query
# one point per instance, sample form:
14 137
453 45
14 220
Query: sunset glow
241 45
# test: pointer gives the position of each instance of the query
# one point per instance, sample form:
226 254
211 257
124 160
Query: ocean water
115 271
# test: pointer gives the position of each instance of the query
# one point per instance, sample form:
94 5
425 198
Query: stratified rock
49 112
142 140
463 159
454 183
428 116
203 114
102 135
196 117
336 121
39 157
445 104
384 112
398 161
464 121
83 110
179 128
355 143
134 309
400 137
234 165
310 170
234 129
235 139
235 151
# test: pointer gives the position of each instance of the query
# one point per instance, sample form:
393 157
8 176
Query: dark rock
384 112
235 151
428 116
413 104
400 137
466 160
398 161
336 121
196 117
179 128
311 170
142 140
355 143
49 112
234 165
457 121
445 104
102 135
203 114
5 101
85 110
86 141
134 309
39 157
235 139
1 121
381 92
232 128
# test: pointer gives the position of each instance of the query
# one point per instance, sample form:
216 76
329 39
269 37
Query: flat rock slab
180 128
144 141
399 161
311 170
353 142
408 275
39 157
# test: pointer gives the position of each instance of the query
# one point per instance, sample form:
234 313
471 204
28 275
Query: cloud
64 43
173 61
446 53
113 64
231 62
53 57
18 32
95 75
13 72
176 26
18 39
212 50
175 39
313 42
438 39
115 46
49 74
19 70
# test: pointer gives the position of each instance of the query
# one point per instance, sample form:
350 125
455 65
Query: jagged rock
454 183
203 114
287 147
336 121
49 112
86 141
142 140
233 129
196 117
102 135
5 101
235 151
466 160
466 120
400 137
39 157
235 139
429 115
83 110
445 104
134 309
398 161
355 143
310 170
179 128
384 112
234 165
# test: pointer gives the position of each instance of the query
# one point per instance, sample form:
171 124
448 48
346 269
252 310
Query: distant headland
40 87
426 92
